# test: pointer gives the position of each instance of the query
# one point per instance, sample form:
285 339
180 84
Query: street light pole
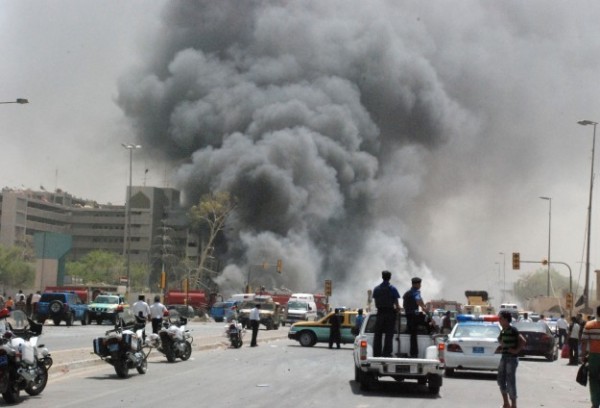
586 288
19 101
503 274
549 235
131 148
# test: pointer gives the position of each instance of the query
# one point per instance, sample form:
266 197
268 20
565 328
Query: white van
299 310
306 297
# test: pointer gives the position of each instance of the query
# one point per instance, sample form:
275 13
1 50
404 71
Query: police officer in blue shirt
411 302
386 300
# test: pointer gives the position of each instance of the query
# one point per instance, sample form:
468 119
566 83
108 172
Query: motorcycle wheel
121 368
170 353
143 367
11 396
39 382
239 343
187 352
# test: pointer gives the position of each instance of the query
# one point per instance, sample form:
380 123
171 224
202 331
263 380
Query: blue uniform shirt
385 295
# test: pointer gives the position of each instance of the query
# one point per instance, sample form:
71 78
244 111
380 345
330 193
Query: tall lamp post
131 147
503 274
586 288
19 100
549 235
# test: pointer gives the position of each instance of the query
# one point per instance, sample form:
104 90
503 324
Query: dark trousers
412 326
254 324
386 321
573 351
562 336
334 337
156 325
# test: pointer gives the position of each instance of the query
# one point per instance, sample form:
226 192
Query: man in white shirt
574 341
157 311
254 323
525 318
562 327
141 310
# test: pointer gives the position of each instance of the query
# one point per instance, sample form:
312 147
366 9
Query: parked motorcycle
235 332
173 339
24 364
124 349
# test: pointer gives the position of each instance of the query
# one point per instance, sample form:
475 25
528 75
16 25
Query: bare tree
210 215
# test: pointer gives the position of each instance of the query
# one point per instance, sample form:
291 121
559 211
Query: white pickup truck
427 369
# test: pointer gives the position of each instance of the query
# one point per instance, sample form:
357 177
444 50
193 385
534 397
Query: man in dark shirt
512 343
411 302
335 336
386 300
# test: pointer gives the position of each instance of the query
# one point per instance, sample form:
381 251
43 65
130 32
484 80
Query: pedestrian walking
254 323
386 298
512 342
157 312
590 349
412 300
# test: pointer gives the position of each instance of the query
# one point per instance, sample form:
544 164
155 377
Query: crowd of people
20 302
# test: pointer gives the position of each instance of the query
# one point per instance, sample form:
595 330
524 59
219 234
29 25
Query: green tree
209 216
97 267
536 284
15 270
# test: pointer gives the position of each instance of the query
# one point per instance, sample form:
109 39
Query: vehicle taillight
363 349
119 308
441 349
454 348
544 338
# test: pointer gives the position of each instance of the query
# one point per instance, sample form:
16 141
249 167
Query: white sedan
472 345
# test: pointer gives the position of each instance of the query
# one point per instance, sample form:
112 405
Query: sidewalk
66 361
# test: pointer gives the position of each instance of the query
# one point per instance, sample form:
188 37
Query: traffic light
279 265
163 279
516 260
569 301
328 287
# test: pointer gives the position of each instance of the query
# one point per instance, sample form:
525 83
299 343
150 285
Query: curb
66 367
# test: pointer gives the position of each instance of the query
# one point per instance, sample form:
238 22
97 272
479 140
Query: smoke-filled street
355 136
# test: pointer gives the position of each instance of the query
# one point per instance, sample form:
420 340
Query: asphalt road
282 373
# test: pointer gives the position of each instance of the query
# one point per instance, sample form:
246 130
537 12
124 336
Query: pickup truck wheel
86 319
69 319
367 382
307 338
434 382
56 322
98 322
449 372
357 374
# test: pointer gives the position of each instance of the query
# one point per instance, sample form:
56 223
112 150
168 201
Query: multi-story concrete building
158 224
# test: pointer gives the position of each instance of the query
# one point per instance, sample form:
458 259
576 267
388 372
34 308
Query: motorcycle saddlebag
100 347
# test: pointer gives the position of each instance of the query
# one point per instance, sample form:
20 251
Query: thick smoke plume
334 123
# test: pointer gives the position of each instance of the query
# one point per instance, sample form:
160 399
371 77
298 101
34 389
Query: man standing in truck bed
386 300
412 300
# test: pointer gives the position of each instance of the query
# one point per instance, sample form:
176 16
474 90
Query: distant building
158 224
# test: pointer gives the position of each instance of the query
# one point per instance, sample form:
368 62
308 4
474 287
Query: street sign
328 287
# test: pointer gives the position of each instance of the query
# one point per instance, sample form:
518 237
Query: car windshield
49 297
297 305
476 331
539 327
107 299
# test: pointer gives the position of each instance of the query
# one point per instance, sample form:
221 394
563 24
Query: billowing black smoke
314 114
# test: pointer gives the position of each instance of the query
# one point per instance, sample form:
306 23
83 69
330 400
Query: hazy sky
404 135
